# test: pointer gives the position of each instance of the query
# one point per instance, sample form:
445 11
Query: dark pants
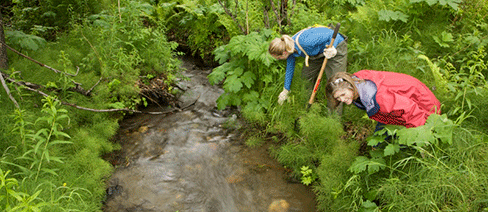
336 64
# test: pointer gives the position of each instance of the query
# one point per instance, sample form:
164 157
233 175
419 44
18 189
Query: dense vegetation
107 52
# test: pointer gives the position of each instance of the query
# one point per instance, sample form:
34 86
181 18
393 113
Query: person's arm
290 69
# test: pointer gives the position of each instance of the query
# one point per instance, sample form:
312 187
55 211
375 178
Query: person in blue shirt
310 43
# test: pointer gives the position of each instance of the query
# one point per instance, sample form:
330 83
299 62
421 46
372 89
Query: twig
8 91
89 91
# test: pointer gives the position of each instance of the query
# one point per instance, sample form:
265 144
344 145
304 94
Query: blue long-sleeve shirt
313 41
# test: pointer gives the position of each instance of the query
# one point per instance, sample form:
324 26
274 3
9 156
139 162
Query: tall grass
437 177
52 154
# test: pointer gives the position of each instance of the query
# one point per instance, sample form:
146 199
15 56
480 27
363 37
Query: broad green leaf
253 52
221 54
232 84
420 136
368 206
375 140
391 149
116 105
444 39
267 78
216 76
222 101
443 127
363 163
359 165
375 164
248 78
252 95
236 72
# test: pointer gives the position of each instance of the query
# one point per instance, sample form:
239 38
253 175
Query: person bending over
310 43
387 97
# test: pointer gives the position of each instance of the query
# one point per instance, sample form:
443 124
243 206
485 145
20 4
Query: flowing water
188 161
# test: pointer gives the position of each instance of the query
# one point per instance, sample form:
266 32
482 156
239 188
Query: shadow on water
187 161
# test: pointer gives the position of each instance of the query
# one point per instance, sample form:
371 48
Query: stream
189 161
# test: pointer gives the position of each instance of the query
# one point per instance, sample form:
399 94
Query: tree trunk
3 47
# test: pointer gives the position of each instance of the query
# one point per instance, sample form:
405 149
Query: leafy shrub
246 68
47 18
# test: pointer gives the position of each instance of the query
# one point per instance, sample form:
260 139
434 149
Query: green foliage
107 48
444 40
43 141
446 178
460 82
200 26
242 60
441 42
45 18
319 133
422 153
337 190
15 200
127 49
388 15
308 177
24 41
436 131
255 141
454 4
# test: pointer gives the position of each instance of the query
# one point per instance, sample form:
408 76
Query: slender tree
3 47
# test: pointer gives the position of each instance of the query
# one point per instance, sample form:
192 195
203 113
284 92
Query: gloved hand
330 52
283 96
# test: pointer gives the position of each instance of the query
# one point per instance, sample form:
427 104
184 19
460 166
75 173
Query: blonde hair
280 45
341 80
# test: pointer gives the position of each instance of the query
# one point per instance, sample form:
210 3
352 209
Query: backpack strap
298 44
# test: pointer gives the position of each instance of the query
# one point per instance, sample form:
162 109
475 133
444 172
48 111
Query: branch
43 65
8 91
90 90
77 87
232 16
32 87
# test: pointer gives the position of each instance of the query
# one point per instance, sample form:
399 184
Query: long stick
317 83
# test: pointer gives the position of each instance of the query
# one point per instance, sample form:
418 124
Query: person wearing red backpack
389 98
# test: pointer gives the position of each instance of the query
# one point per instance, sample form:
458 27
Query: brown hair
341 80
279 45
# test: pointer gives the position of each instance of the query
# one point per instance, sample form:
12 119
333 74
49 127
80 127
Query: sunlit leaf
388 15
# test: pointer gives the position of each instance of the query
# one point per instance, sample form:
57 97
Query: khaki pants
336 64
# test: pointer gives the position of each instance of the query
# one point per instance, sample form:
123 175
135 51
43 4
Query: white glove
283 96
330 52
